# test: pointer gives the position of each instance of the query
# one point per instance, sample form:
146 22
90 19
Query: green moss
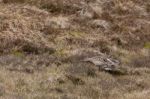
147 45
18 53
60 52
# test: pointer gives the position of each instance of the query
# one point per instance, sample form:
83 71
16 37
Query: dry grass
43 43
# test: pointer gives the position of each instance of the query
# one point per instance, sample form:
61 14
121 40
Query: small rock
101 24
86 14
54 79
90 11
51 79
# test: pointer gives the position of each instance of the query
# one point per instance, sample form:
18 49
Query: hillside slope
74 49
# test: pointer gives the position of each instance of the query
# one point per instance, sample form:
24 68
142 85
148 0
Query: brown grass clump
20 33
14 1
141 62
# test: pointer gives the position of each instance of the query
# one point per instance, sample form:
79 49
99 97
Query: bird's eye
105 60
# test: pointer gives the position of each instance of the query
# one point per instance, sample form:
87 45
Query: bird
105 63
